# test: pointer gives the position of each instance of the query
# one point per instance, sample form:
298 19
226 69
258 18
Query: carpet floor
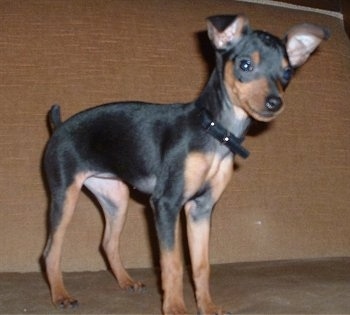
282 287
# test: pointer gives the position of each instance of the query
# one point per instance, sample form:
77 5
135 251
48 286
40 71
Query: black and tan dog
180 154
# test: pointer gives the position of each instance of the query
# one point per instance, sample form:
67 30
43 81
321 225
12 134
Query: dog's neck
215 100
222 119
221 134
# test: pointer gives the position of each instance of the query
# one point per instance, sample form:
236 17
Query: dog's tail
55 117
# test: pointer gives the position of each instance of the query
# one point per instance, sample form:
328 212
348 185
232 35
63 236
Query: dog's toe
137 287
67 303
212 309
133 286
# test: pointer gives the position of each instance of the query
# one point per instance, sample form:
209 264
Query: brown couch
289 200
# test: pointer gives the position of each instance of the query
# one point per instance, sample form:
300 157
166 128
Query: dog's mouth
264 116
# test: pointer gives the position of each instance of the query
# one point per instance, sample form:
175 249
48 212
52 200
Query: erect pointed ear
225 30
302 40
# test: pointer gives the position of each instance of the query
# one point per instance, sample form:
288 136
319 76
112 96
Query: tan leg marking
172 278
111 241
219 182
59 294
113 196
198 233
199 169
198 239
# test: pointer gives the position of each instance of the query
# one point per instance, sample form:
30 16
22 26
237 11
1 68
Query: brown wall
289 200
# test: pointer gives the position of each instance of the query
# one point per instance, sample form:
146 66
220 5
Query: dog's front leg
198 230
198 214
172 278
167 223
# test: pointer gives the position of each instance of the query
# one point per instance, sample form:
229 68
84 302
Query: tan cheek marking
249 95
254 93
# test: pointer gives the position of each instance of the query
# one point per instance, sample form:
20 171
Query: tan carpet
289 287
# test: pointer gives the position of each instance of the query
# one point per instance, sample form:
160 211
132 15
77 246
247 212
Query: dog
182 155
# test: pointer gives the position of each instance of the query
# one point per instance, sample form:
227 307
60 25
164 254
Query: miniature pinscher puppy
180 154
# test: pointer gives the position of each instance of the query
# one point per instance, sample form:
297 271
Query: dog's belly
145 184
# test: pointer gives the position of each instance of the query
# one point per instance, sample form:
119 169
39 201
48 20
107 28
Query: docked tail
55 117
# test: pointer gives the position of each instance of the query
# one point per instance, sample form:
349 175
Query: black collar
222 135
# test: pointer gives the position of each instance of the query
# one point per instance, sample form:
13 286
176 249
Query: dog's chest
201 169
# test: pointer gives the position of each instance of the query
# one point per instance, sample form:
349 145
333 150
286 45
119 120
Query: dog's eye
246 65
287 74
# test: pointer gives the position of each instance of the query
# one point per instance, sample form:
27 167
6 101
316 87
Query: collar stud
221 134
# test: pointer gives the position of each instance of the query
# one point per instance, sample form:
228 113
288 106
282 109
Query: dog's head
258 66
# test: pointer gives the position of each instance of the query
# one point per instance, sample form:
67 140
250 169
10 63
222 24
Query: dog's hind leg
113 196
62 207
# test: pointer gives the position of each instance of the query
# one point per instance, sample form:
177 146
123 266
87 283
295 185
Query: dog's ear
225 30
302 40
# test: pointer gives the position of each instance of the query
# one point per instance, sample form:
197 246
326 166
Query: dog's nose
273 103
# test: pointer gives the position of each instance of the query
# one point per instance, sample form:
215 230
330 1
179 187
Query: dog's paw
133 286
212 309
66 303
175 310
